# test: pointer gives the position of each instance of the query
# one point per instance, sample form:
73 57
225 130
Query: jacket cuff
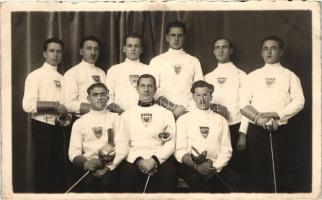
79 161
137 160
156 160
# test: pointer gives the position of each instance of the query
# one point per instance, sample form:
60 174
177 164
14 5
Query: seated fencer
97 145
151 132
203 146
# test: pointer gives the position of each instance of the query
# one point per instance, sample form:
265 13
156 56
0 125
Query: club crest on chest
269 82
146 118
204 130
177 68
98 132
57 84
96 78
134 79
221 80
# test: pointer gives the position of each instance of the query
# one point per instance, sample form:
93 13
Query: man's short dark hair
147 76
176 24
89 38
201 83
53 40
223 38
274 38
132 35
96 85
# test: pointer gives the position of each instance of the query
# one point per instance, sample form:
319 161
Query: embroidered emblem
204 131
221 80
177 68
134 79
57 84
269 82
96 78
98 132
146 118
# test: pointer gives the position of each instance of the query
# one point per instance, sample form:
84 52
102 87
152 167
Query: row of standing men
268 97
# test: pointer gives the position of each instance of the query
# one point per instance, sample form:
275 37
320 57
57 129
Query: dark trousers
239 160
133 180
49 157
106 183
227 180
260 157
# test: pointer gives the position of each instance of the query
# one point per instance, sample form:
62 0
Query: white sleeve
198 71
169 146
182 139
110 85
297 99
225 148
76 139
154 70
71 92
121 141
245 94
242 91
30 97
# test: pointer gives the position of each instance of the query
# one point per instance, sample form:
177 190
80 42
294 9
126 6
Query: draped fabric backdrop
245 29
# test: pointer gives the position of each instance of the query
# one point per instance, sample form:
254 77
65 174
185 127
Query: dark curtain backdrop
245 29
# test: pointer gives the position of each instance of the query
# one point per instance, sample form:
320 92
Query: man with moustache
78 78
274 95
203 146
122 78
44 99
151 132
227 80
175 71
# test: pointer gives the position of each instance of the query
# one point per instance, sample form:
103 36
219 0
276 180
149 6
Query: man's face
202 98
175 38
222 51
90 51
146 89
98 98
132 48
53 54
271 52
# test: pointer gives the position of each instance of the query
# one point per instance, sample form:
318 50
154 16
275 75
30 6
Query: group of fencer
141 128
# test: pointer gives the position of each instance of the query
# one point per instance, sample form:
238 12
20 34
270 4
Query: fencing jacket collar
273 65
176 51
132 61
225 65
87 64
146 103
49 66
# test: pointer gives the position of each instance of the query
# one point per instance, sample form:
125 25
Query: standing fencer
97 145
203 146
44 99
274 95
227 80
151 132
122 78
175 71
78 78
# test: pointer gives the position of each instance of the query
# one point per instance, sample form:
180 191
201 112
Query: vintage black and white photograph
163 100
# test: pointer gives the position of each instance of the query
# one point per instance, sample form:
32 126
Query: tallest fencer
175 71
274 95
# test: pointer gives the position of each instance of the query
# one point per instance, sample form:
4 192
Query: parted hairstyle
132 35
147 76
177 24
274 38
201 83
91 38
96 85
53 40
